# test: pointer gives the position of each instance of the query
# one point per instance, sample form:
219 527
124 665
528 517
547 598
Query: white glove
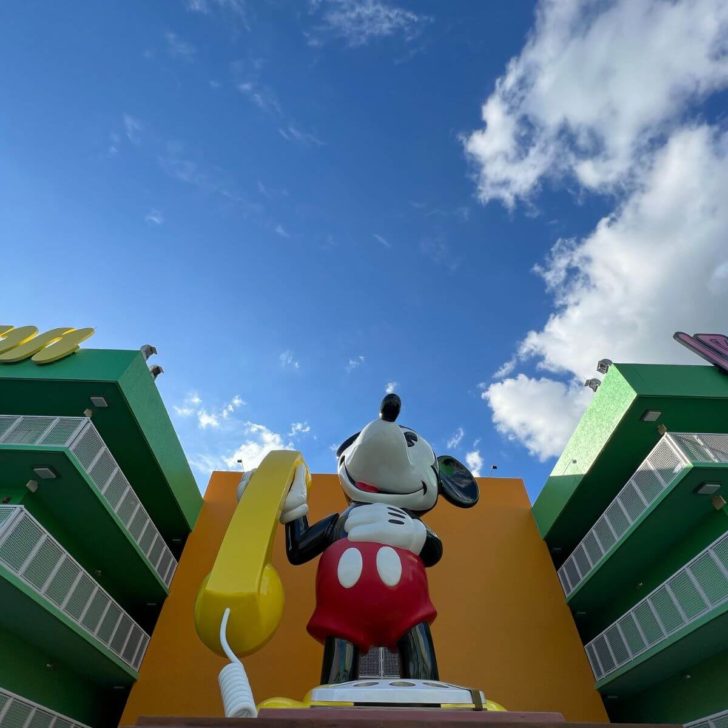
380 523
243 484
295 504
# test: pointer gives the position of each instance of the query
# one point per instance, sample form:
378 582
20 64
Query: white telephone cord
237 695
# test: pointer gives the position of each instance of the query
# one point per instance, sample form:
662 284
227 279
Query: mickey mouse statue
371 586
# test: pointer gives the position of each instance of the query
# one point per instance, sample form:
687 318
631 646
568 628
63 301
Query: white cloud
288 361
257 441
260 440
154 217
474 461
261 95
355 363
594 89
132 129
237 8
382 240
621 292
357 22
292 133
207 418
178 48
438 250
539 413
280 230
114 143
606 94
390 387
455 438
503 370
232 405
175 160
299 428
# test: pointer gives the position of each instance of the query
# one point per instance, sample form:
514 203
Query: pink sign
712 347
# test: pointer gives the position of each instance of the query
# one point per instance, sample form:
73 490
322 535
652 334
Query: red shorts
369 594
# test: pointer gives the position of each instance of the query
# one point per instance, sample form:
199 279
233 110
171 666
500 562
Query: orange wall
503 625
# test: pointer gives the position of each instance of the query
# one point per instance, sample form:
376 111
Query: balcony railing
79 435
717 720
688 595
19 712
655 475
29 552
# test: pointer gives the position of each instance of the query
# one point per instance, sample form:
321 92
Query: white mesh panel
87 446
82 438
657 473
29 430
33 555
669 609
717 720
62 431
16 710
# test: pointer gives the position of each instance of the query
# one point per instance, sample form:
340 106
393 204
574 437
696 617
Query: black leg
417 654
341 661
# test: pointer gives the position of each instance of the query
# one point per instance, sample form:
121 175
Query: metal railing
79 435
29 552
689 594
19 712
717 720
657 473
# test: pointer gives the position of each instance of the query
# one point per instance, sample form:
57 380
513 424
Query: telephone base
367 693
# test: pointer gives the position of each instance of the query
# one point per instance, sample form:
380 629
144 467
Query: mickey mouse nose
389 410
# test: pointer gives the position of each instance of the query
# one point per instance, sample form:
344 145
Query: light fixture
99 402
650 415
45 472
88 412
155 371
707 489
32 485
603 365
148 350
593 383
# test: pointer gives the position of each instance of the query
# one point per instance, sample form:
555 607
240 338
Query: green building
96 502
636 522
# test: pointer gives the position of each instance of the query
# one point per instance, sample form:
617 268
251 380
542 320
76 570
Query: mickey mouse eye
411 438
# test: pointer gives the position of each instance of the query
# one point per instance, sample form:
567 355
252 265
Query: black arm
304 542
432 550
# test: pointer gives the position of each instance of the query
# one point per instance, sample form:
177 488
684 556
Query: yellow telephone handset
242 577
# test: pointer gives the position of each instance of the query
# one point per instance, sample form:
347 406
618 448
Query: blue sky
302 204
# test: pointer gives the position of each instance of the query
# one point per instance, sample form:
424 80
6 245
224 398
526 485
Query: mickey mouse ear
391 404
457 483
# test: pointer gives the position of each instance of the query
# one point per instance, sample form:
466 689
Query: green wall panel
33 673
697 691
